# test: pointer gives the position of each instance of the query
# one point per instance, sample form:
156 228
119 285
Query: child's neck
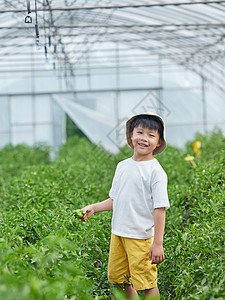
138 157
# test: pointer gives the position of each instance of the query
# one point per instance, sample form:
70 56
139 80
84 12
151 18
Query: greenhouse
72 72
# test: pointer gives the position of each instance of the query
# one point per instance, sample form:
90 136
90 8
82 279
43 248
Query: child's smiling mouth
142 145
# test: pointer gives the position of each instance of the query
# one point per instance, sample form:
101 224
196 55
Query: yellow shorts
129 263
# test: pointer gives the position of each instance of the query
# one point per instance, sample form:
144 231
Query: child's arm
156 252
97 207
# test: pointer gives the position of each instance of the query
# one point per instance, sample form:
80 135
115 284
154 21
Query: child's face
145 141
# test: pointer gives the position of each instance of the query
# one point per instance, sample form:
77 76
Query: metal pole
33 95
60 85
10 118
204 108
117 99
88 69
160 96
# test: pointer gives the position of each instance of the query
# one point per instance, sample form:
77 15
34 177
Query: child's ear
159 143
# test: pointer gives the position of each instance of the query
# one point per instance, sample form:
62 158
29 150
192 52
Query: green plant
46 253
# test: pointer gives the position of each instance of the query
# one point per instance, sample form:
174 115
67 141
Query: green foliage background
45 253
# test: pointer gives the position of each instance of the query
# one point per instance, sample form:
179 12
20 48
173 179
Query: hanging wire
55 56
45 35
49 41
49 34
28 7
36 25
28 18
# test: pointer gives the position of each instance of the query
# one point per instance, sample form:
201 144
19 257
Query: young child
138 198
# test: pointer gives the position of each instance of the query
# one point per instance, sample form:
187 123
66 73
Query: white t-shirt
138 188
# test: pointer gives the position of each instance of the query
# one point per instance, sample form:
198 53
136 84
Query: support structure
204 107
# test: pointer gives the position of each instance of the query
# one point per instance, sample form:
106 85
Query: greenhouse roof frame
159 4
186 33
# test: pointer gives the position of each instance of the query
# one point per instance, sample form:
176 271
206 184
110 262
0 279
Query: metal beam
82 91
93 67
121 6
156 37
184 44
138 25
183 54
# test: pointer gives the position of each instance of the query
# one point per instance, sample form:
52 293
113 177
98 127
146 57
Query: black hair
150 122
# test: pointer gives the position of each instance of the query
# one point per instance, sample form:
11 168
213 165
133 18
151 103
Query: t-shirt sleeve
113 190
159 190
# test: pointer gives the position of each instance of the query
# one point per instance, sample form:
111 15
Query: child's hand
156 254
88 212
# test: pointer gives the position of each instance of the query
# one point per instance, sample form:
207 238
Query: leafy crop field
47 254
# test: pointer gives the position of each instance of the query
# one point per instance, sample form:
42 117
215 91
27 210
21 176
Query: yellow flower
196 146
191 159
